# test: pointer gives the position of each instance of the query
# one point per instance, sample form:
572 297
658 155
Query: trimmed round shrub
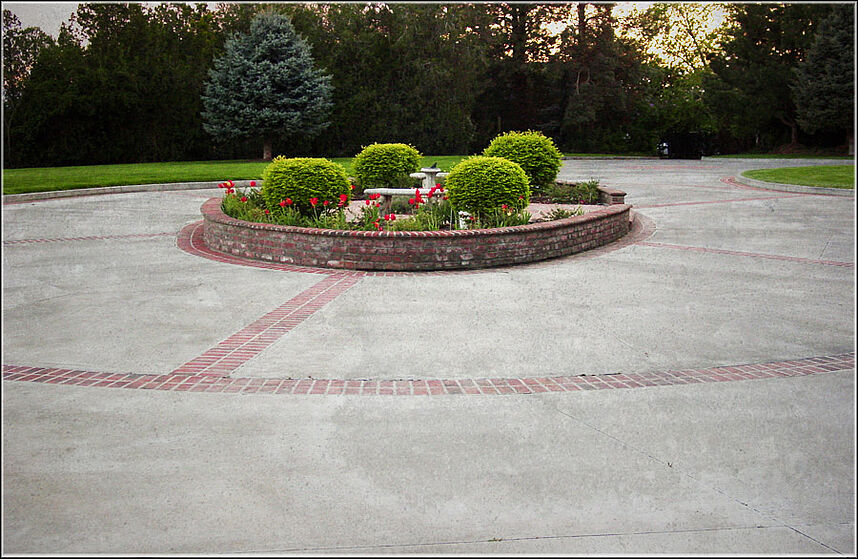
536 154
480 185
301 179
386 165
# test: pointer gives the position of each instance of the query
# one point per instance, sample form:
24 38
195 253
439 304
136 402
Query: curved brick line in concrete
190 239
737 182
750 254
671 204
784 187
90 238
429 387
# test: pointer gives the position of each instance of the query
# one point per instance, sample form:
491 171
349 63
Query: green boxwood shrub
574 193
480 185
536 154
301 179
386 165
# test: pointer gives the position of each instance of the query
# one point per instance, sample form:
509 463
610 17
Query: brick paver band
429 387
89 238
250 341
749 254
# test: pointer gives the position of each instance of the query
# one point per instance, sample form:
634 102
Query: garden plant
534 152
385 165
480 192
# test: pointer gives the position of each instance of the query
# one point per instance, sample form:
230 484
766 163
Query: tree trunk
266 149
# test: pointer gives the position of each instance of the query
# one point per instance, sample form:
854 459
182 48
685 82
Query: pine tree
266 86
824 90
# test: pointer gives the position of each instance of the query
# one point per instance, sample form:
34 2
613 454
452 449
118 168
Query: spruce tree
824 90
266 86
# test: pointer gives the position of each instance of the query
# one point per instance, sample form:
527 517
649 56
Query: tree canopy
137 82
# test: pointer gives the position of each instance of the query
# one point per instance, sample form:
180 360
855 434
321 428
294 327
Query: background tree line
122 82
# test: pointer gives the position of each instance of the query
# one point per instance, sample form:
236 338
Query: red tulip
267 212
352 186
344 198
288 201
325 203
244 198
314 201
282 203
368 202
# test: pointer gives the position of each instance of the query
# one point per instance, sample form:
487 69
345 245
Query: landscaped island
305 213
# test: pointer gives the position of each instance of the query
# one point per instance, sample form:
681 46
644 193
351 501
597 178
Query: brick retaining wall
412 250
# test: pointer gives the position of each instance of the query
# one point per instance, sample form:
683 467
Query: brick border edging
411 250
428 387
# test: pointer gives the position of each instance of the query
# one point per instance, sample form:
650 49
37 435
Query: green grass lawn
43 179
831 176
778 156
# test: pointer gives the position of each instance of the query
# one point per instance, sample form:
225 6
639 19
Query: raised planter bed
412 250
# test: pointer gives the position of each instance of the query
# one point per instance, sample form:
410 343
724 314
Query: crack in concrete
689 475
524 538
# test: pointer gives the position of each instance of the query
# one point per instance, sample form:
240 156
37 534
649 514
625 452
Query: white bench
387 195
428 176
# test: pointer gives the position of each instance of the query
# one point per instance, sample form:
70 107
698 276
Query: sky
49 15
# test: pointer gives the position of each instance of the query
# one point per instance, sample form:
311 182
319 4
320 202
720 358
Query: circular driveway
718 282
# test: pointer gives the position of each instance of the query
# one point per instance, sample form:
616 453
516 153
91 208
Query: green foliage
824 89
536 154
302 179
480 185
431 216
386 165
749 90
21 48
562 213
121 84
574 193
408 71
266 86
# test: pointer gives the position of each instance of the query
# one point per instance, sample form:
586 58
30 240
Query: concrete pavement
730 276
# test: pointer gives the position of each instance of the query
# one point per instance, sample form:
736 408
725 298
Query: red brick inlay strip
751 254
670 204
250 341
732 181
430 387
90 238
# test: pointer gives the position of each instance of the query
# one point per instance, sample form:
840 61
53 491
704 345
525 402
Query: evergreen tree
21 48
266 86
752 76
824 90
